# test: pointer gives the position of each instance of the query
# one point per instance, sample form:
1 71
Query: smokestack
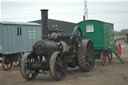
44 22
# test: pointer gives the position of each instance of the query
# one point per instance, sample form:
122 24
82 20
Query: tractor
57 51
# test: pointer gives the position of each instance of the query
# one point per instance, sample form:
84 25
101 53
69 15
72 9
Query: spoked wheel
103 60
27 74
6 63
86 56
105 56
110 57
58 66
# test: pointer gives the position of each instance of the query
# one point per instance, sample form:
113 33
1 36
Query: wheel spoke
62 69
59 64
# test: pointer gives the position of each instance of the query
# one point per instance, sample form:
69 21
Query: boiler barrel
44 47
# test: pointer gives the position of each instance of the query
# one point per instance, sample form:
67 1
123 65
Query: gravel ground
111 74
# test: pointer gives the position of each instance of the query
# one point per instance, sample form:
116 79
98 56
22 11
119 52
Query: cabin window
19 31
90 28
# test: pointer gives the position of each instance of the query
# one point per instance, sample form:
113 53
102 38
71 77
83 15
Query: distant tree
116 32
124 31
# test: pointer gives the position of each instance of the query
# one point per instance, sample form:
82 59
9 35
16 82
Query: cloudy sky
114 11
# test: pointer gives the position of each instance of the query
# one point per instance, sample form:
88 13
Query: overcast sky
114 11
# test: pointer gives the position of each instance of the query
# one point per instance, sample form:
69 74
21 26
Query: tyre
86 56
110 57
58 67
27 74
6 63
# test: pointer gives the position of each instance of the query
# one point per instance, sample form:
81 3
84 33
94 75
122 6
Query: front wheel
27 74
58 66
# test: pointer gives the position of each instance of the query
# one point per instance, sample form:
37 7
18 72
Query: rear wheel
86 56
27 74
58 66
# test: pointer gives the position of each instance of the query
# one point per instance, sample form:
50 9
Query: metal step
118 57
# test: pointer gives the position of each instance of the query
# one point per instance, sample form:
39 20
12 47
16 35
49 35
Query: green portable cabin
18 37
101 33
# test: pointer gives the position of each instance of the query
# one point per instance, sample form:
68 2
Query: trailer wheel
110 57
103 58
86 56
6 63
58 66
106 55
27 74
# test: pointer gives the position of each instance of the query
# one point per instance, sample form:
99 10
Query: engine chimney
44 22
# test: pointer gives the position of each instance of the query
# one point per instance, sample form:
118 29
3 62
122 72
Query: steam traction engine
57 51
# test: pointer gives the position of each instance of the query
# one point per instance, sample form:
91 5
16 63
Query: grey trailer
15 39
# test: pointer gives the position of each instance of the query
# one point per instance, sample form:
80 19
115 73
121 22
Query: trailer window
19 31
89 28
